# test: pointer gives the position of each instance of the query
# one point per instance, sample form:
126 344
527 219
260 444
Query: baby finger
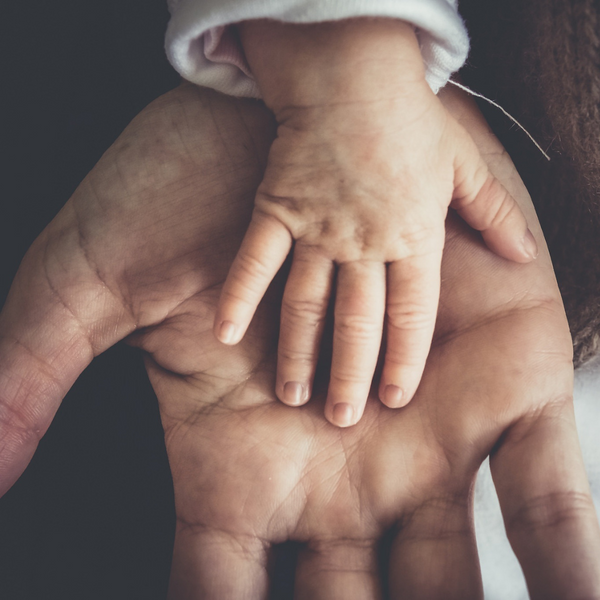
412 300
264 249
303 313
358 325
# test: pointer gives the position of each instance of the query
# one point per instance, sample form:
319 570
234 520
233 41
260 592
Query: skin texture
358 183
380 510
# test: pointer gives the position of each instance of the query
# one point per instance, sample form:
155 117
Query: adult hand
143 247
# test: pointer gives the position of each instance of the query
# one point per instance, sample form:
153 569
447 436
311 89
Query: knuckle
239 296
550 511
17 429
409 317
23 416
357 379
495 206
482 174
412 359
344 555
305 312
356 328
295 355
503 210
438 520
472 187
250 267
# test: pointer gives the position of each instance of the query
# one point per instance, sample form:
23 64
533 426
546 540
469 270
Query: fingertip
517 249
394 396
530 246
294 393
343 415
228 333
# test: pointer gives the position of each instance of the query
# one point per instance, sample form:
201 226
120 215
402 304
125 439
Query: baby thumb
485 204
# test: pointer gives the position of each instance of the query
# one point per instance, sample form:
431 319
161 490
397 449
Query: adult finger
213 565
358 324
434 554
547 507
264 249
303 312
50 330
485 204
338 570
413 293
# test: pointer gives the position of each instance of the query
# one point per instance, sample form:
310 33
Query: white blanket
205 51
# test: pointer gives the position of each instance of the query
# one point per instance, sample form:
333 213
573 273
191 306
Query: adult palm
142 249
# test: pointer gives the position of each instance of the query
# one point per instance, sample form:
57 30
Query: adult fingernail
392 396
343 414
530 245
227 332
293 393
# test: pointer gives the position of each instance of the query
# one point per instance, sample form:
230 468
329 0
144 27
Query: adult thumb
50 330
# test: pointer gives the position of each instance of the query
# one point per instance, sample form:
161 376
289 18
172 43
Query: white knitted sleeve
204 50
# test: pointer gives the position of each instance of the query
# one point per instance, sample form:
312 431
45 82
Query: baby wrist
353 60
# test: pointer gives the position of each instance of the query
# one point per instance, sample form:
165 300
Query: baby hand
359 181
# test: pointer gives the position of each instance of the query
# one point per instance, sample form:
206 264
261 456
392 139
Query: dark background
92 517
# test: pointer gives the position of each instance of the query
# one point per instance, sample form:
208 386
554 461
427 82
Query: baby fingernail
343 414
227 332
392 396
293 393
530 245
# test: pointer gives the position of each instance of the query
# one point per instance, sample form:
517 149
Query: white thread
470 91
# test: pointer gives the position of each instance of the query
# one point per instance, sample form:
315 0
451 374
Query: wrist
353 60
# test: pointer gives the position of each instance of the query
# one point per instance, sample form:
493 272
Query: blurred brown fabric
540 59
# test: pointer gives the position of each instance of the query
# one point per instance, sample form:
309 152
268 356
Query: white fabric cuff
205 51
